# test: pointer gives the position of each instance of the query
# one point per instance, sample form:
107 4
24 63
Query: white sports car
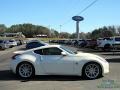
57 60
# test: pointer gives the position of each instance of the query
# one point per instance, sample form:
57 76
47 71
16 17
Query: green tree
54 33
3 28
29 30
82 35
73 36
106 31
118 30
64 35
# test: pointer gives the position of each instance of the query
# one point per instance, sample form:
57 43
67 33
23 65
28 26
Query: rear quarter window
38 52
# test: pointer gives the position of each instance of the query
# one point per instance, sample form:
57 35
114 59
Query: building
17 35
41 36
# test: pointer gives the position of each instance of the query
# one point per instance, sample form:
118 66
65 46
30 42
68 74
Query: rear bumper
13 65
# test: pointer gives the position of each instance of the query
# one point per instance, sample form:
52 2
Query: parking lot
9 81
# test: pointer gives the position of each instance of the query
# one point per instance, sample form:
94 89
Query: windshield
68 50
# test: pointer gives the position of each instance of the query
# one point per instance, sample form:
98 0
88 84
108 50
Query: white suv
12 43
109 43
4 44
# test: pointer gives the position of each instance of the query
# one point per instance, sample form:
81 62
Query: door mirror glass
64 53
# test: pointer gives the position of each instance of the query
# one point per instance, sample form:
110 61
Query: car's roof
42 47
47 46
32 41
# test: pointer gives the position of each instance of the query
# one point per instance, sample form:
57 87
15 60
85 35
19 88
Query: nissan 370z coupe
57 60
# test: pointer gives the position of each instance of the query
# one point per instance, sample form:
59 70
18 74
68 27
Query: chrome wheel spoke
92 70
25 70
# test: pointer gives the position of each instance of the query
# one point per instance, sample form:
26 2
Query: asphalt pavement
9 81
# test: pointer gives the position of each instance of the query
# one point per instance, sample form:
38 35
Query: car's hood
85 54
89 56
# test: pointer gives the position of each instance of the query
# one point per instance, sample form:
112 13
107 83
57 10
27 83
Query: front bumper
105 68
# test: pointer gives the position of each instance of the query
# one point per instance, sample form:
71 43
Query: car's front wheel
92 70
25 70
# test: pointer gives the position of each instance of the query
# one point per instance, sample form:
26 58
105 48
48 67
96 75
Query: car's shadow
7 75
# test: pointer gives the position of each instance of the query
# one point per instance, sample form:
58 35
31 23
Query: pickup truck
109 43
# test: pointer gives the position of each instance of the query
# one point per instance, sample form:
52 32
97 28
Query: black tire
11 46
0 48
19 71
107 47
85 73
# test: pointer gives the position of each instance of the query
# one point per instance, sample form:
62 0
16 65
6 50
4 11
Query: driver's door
55 63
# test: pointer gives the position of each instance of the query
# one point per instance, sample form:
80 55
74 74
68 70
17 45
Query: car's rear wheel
107 47
0 48
92 70
25 70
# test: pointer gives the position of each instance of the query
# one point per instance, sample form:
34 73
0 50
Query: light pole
60 30
49 27
77 19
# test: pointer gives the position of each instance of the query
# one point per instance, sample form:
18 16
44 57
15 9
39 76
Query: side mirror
64 54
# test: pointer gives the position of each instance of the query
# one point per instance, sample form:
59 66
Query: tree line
30 30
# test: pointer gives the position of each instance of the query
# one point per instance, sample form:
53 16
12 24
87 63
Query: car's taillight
14 56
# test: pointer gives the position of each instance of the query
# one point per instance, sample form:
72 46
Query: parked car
82 43
109 43
4 44
99 40
57 60
91 43
19 42
34 44
12 43
75 42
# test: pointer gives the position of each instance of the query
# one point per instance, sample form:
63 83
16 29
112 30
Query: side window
40 51
52 51
49 51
